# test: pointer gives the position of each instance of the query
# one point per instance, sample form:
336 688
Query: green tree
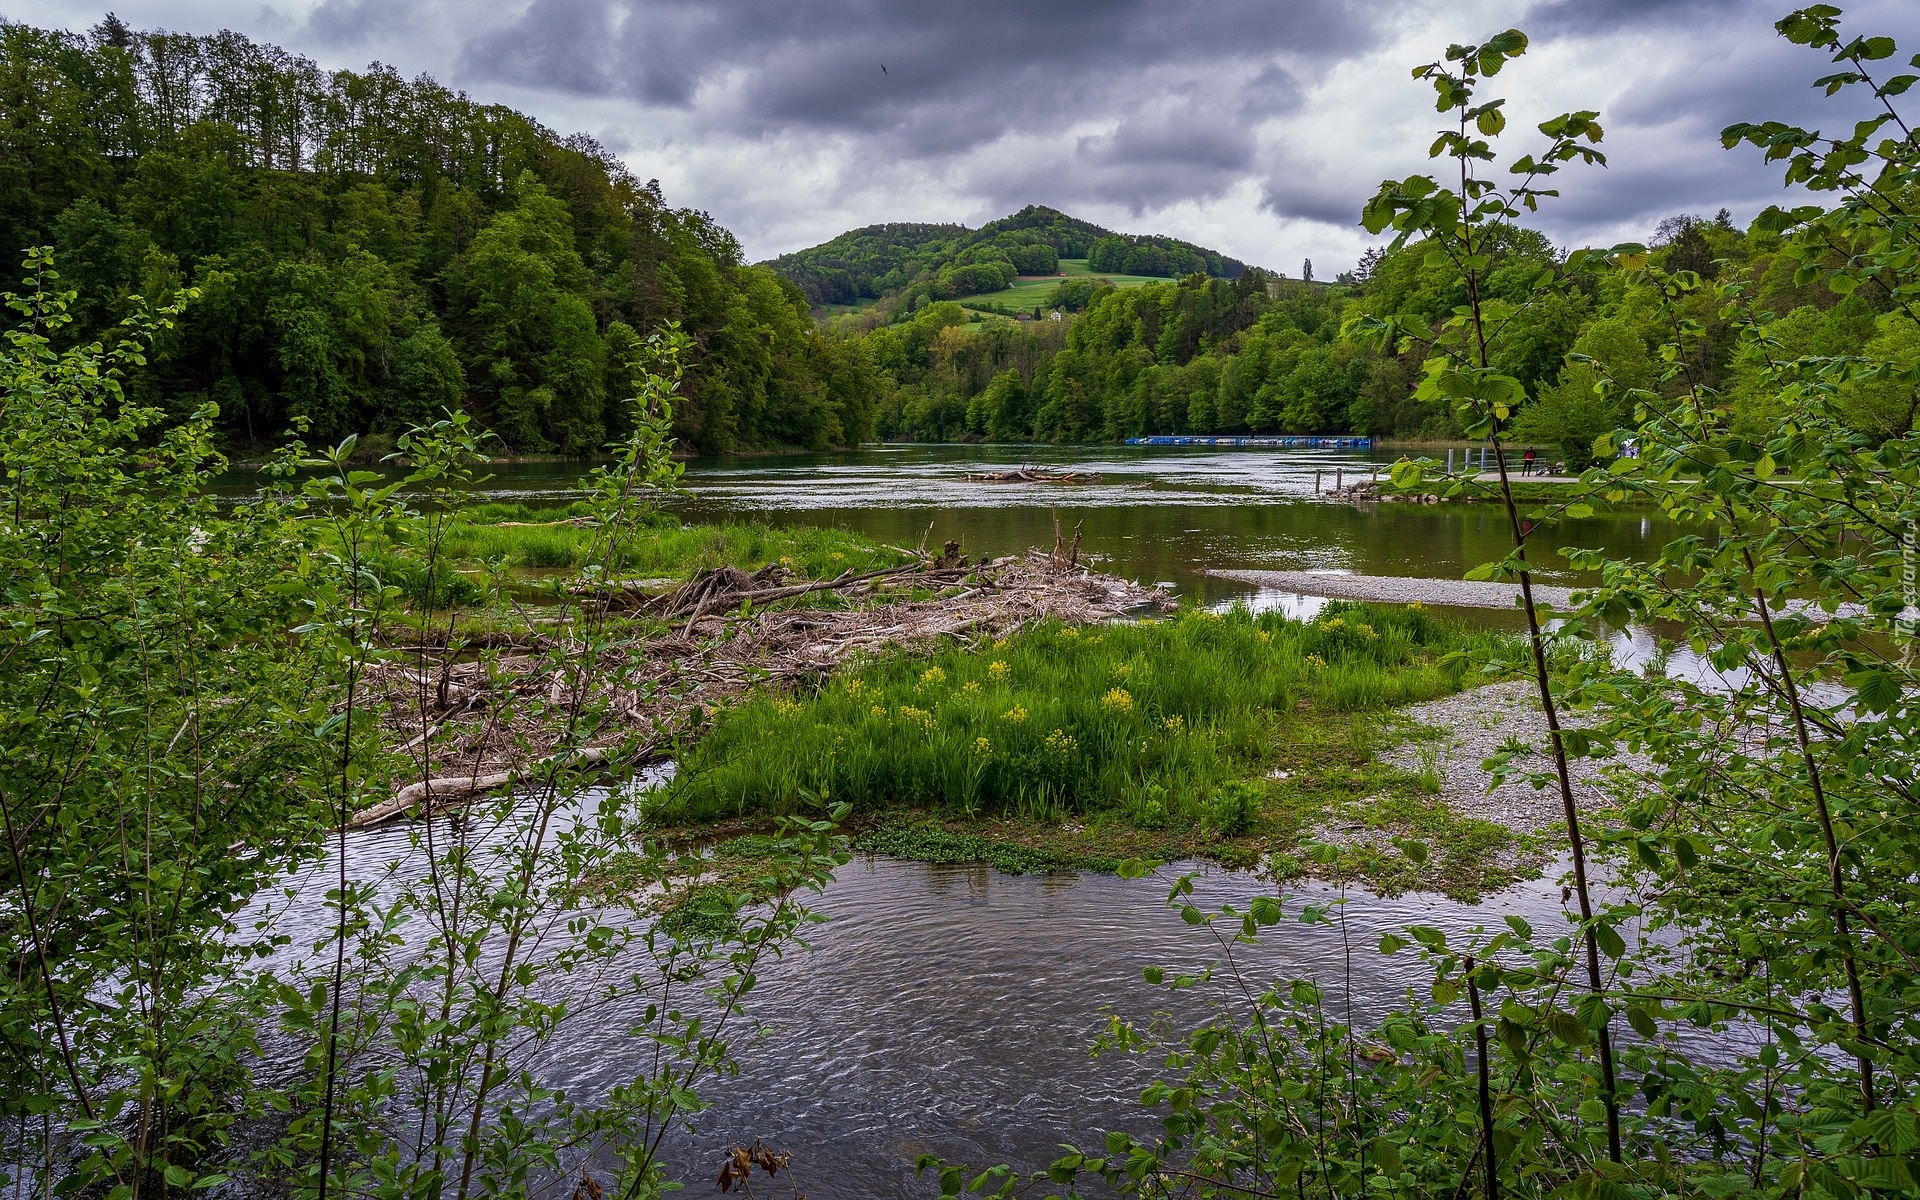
534 353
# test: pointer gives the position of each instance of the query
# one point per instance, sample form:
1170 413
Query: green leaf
1566 1029
1387 1155
1875 690
1608 940
1642 1023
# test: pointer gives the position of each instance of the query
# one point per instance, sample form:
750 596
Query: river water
1158 514
950 1008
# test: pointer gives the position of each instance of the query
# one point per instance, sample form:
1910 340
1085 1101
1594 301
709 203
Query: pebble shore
1401 589
1477 723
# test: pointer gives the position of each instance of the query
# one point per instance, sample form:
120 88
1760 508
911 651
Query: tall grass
1151 719
671 549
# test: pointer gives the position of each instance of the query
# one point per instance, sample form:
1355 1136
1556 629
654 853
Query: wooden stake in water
1449 460
1316 481
1338 474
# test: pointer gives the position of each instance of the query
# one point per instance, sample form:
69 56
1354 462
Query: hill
370 250
949 261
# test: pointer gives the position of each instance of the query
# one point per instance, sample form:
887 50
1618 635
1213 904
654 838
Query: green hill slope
949 261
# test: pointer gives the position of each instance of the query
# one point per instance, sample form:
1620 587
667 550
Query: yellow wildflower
1069 632
998 671
1174 723
1117 699
1316 663
1014 716
1263 635
856 687
982 747
932 677
1062 743
1001 643
970 688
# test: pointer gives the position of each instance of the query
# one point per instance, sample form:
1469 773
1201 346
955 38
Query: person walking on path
1526 462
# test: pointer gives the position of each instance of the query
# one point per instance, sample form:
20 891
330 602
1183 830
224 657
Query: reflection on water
950 1009
1157 514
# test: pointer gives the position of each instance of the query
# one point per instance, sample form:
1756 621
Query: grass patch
936 844
538 539
1244 739
1027 292
1150 718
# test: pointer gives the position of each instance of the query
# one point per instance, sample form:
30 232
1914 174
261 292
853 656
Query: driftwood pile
727 631
1034 475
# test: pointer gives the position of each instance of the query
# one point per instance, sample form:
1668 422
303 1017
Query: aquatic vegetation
1040 720
540 539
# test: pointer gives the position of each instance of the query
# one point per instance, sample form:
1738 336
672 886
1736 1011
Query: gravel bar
1476 724
1401 589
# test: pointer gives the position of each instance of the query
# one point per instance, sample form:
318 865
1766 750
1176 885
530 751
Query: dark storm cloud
1259 126
1564 18
354 23
982 67
1308 195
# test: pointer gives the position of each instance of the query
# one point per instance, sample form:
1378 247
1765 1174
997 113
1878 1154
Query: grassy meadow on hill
1028 292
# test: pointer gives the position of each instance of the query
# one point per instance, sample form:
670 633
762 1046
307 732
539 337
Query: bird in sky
883 68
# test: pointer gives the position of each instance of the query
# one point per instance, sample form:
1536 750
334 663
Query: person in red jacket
1526 462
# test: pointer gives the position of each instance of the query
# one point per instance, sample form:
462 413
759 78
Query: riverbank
1397 589
662 654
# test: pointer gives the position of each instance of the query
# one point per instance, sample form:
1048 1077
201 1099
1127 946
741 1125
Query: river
1159 515
950 1009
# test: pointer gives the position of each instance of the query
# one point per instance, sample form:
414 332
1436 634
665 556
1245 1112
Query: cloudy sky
1257 127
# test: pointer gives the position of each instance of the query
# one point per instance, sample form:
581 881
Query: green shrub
1232 810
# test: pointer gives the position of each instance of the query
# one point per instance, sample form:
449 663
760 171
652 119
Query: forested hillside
371 249
914 264
1260 354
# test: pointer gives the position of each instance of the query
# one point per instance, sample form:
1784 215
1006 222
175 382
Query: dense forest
369 250
915 264
1262 354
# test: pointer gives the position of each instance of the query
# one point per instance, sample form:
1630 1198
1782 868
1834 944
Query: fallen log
438 792
1034 475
